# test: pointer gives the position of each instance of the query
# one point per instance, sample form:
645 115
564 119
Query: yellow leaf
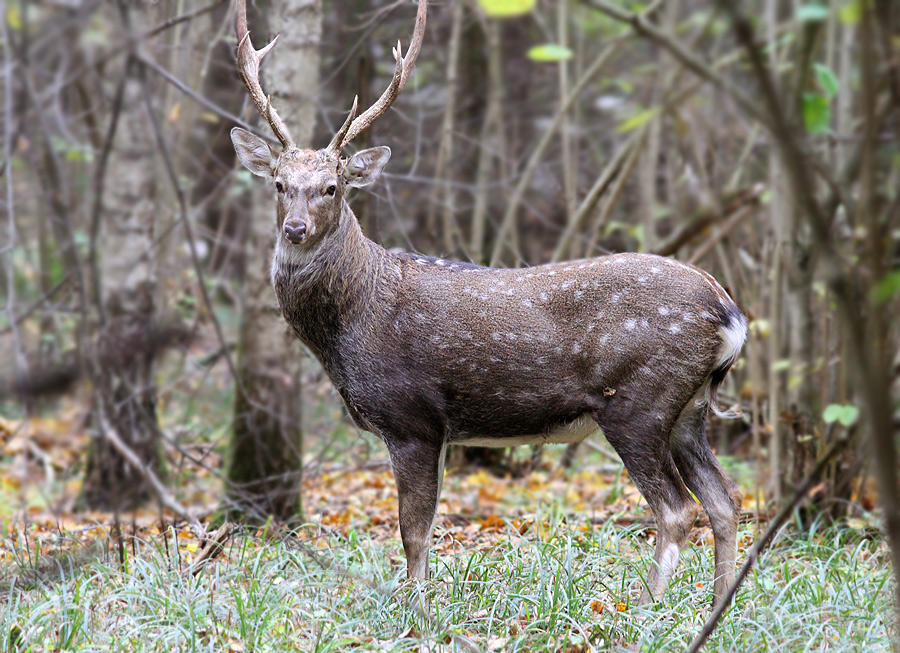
641 118
506 8
14 19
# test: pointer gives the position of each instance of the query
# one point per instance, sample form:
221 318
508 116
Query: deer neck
327 289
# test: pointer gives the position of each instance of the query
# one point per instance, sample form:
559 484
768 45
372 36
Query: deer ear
254 152
365 167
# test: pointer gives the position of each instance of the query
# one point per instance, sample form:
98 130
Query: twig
739 216
214 545
643 26
753 555
200 99
185 220
546 139
686 233
166 499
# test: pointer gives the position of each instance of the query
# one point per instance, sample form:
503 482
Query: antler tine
248 60
335 143
401 74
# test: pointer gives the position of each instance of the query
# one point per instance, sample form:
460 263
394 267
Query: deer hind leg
707 480
646 455
419 473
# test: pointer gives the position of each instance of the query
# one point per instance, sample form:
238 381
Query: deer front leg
419 473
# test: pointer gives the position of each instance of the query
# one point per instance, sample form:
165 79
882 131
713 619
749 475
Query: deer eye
279 187
330 190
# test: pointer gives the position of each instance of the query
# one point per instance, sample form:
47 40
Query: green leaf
846 414
638 119
850 13
832 412
885 289
812 13
827 79
816 113
506 8
781 365
849 415
549 52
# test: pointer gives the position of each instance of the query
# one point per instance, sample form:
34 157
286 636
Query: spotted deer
427 352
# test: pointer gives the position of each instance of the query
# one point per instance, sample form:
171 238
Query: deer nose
295 232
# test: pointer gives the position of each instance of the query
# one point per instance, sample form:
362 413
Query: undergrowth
563 587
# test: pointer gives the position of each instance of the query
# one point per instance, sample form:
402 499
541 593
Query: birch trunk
265 471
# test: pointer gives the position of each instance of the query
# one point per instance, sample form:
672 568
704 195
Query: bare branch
753 555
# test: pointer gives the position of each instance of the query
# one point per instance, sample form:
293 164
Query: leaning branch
753 555
645 27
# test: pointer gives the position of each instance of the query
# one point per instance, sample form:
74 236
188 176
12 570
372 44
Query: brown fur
427 352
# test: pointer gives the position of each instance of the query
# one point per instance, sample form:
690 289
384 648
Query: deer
427 352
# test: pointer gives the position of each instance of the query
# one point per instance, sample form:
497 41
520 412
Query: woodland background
149 382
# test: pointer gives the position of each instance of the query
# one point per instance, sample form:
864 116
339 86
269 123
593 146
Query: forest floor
552 560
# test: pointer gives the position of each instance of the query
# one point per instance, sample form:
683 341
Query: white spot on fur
568 284
655 270
527 303
440 261
663 310
604 339
675 328
497 336
689 317
421 261
642 279
512 337
544 296
552 273
630 323
576 348
615 298
579 294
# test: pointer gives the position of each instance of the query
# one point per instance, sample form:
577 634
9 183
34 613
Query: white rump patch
733 337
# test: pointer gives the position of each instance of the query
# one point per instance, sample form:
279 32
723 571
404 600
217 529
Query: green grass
827 589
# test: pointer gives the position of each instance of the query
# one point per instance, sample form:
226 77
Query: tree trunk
265 470
121 364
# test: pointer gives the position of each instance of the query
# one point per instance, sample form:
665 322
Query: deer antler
248 61
353 126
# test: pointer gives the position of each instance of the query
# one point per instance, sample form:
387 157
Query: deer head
310 184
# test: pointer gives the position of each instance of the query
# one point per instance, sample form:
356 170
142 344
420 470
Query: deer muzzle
295 231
